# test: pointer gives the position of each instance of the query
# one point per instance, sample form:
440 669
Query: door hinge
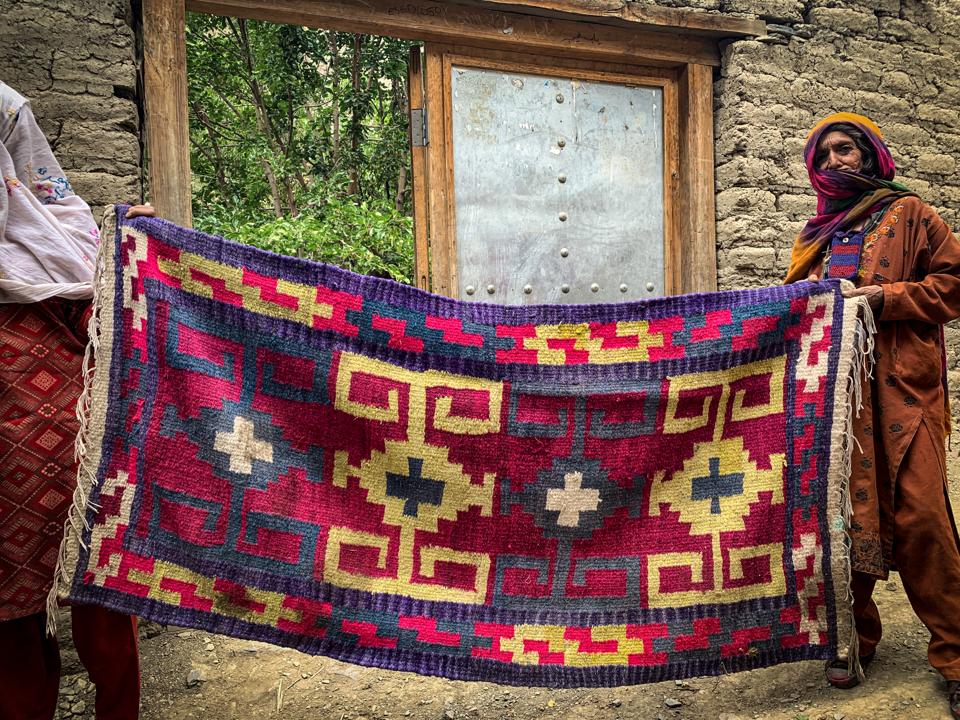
418 127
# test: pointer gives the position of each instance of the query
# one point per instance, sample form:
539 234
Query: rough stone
752 258
935 164
904 30
883 105
897 82
937 115
772 10
80 88
194 677
845 20
798 206
740 199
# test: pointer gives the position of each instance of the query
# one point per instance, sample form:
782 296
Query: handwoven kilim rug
556 495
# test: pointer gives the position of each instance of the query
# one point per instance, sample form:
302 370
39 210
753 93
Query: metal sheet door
558 186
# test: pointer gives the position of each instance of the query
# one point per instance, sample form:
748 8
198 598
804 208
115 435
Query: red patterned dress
41 353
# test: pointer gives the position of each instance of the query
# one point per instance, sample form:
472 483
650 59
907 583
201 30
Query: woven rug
555 495
41 351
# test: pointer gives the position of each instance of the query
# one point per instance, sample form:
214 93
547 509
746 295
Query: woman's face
837 151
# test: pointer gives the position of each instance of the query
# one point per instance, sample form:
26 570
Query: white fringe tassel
76 522
861 371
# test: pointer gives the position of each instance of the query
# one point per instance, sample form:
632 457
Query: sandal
840 677
953 697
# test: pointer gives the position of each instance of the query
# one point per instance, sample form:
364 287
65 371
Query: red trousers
926 554
106 642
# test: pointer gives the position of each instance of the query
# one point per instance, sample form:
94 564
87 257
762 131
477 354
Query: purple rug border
823 446
445 666
394 293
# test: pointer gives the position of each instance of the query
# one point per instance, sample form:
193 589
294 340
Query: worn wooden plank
453 275
418 181
480 26
698 219
165 104
566 67
442 249
672 193
635 13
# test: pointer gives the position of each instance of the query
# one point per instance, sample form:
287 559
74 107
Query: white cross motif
572 500
242 446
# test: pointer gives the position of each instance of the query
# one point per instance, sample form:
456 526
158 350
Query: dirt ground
191 674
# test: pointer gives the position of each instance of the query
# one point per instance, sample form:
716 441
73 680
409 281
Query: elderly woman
48 243
906 262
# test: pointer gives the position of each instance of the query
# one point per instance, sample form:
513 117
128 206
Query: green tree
299 141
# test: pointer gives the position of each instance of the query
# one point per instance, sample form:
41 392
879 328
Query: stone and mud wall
897 61
76 62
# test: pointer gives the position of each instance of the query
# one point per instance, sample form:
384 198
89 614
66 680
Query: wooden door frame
443 245
684 42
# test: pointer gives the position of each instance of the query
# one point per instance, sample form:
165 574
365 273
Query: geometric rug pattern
552 495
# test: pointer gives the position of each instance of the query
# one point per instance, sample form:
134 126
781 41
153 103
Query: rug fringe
861 371
76 522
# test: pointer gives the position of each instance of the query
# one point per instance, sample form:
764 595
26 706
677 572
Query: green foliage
371 238
299 141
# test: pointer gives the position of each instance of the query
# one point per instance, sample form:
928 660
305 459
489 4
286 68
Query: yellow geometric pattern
719 383
723 513
585 340
573 654
460 492
304 313
186 267
174 584
200 587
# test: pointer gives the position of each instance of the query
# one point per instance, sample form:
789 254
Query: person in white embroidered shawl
48 237
48 247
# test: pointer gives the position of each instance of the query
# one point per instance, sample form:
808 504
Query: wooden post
698 230
165 102
443 254
418 183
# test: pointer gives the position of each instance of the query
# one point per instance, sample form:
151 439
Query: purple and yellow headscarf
842 197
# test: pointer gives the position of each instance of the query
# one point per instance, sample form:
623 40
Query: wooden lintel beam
627 13
479 26
165 105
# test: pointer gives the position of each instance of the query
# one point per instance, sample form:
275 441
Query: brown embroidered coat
915 257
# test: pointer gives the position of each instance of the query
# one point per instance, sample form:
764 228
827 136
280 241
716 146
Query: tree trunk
356 129
274 189
335 119
401 187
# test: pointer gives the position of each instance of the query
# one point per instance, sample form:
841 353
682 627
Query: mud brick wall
75 61
897 61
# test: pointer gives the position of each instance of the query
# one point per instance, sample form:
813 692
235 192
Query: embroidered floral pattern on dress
50 188
11 183
886 228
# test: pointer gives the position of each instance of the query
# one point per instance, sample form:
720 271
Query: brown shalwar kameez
901 512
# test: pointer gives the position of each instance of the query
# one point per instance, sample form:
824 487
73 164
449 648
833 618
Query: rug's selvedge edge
91 414
853 369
